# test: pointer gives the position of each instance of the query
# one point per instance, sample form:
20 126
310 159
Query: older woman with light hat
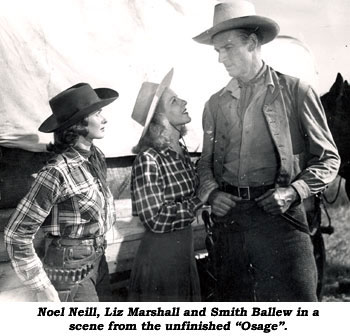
70 199
163 195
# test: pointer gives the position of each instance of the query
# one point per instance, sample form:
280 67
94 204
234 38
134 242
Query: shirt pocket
90 202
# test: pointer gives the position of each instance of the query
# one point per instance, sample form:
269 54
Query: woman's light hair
157 134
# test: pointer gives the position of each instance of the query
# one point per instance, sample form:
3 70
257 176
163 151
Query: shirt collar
168 150
74 156
268 78
234 86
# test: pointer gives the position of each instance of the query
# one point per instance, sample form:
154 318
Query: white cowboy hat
147 100
239 14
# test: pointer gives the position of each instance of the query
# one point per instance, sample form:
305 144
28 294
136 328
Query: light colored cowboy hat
239 14
147 100
74 104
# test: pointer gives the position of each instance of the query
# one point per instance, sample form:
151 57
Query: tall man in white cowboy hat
268 147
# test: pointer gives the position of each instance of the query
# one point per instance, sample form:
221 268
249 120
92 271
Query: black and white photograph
184 159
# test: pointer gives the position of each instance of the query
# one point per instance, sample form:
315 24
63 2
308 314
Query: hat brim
268 28
164 84
106 97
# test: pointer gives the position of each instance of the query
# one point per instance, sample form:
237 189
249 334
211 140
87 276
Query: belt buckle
99 240
244 193
87 242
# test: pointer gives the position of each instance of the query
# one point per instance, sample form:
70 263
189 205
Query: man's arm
324 161
205 164
220 202
321 168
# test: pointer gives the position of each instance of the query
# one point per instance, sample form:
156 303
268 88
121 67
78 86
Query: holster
68 264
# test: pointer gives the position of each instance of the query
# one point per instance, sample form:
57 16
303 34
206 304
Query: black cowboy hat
75 103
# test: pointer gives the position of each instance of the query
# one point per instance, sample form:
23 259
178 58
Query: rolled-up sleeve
324 161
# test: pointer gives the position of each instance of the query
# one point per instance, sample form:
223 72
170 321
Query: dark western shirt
163 190
66 193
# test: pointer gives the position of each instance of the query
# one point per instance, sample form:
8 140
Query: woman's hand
48 294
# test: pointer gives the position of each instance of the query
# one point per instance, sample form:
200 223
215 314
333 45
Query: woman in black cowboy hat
72 203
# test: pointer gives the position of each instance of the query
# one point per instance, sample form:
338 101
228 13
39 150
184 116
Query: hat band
64 117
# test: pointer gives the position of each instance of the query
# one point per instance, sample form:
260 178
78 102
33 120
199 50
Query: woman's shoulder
61 164
53 164
150 156
51 173
150 152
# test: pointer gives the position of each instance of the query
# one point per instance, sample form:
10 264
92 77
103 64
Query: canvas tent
47 46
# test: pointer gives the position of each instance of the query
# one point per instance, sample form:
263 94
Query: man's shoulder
290 82
215 98
217 94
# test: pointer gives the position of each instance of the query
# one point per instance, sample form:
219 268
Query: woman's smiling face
175 108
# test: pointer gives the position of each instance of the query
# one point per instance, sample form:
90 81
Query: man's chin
231 74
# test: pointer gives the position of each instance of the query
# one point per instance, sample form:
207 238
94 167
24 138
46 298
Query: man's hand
205 189
277 201
48 294
221 202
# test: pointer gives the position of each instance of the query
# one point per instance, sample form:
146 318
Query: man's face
234 54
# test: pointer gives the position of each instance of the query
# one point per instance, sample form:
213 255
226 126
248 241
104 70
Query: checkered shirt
163 190
66 200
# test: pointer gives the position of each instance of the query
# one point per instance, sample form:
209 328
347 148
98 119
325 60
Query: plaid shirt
66 194
163 190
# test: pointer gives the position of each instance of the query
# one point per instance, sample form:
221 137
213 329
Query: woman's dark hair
68 137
